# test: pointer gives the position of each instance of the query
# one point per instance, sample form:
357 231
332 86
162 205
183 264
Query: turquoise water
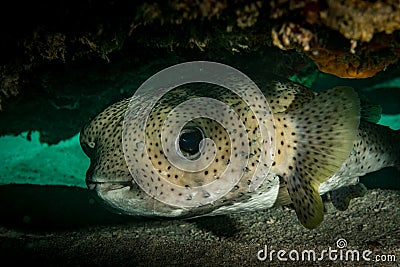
36 163
393 121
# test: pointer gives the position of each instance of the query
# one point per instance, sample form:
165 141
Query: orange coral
345 65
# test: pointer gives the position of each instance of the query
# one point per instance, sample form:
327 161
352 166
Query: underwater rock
64 32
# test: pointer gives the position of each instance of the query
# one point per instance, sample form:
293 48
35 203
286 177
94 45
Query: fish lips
98 183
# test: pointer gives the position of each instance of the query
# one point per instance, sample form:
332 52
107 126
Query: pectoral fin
320 137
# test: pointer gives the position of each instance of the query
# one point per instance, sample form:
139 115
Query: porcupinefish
324 142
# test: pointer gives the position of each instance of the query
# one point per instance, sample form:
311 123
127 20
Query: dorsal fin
313 142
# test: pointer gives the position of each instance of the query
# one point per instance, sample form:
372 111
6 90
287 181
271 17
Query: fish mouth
100 183
107 186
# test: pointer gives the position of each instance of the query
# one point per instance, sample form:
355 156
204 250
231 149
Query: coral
347 65
360 20
189 10
291 35
50 46
347 38
340 65
248 16
8 83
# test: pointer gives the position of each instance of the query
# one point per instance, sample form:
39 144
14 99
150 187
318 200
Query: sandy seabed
89 235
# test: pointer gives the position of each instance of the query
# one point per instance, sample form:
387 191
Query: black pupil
189 141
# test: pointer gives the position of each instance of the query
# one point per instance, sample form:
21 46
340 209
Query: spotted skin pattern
321 146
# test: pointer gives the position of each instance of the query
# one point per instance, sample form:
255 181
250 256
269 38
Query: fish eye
88 148
189 142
